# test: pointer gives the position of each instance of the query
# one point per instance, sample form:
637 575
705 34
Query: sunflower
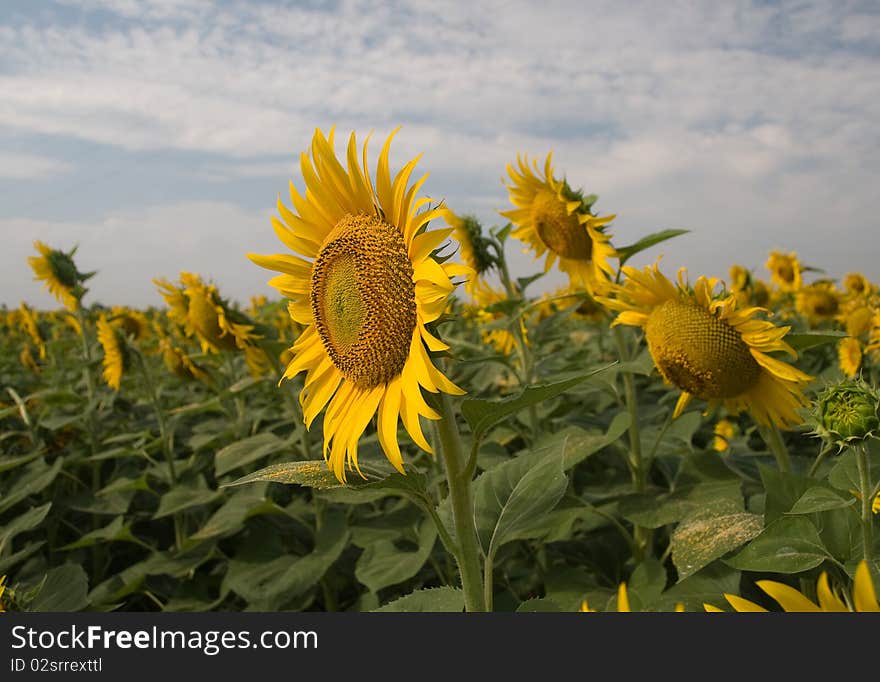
179 363
115 354
849 354
132 322
364 284
863 597
200 311
2 590
474 247
710 349
26 358
552 218
785 270
724 432
818 302
29 324
500 338
856 284
857 320
57 270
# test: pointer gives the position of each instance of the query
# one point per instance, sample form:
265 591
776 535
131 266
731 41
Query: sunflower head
724 432
476 251
133 323
818 302
709 348
846 412
552 218
59 273
178 362
849 354
856 284
785 270
740 278
857 320
363 285
116 353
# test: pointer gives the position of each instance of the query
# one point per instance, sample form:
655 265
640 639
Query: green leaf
242 505
802 341
789 545
21 524
9 463
11 560
511 498
35 477
654 510
115 531
434 600
481 415
65 589
706 586
700 539
540 605
818 499
381 564
783 490
627 252
269 585
186 495
247 450
311 473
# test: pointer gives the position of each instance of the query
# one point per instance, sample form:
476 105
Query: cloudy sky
158 134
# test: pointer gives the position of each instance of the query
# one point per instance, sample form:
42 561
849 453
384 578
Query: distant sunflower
856 284
58 271
552 218
132 322
818 302
364 285
29 324
863 598
178 362
474 247
115 354
724 432
708 348
785 270
857 319
501 338
849 354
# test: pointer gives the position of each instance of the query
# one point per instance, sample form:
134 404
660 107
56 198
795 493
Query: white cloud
30 166
753 124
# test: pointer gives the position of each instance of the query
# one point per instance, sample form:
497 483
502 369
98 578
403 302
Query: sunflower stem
641 535
163 434
866 490
461 497
773 438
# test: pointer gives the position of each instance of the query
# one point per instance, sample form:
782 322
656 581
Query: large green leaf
186 495
23 523
65 589
700 539
34 477
802 341
382 564
819 499
241 505
433 600
657 509
269 585
115 531
513 497
626 252
789 545
481 415
245 451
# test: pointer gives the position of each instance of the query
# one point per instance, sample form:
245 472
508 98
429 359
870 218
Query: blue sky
158 134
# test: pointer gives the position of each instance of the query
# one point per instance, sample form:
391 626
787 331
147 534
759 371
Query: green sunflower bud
847 412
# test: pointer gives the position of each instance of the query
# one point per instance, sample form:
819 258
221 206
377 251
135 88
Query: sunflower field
400 423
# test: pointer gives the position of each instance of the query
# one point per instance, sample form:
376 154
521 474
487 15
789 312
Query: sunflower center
823 304
558 229
699 353
363 299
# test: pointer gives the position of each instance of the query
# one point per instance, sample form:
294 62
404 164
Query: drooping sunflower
475 250
178 362
554 219
29 324
132 322
863 599
364 284
849 355
58 271
785 270
115 353
710 349
200 311
856 284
